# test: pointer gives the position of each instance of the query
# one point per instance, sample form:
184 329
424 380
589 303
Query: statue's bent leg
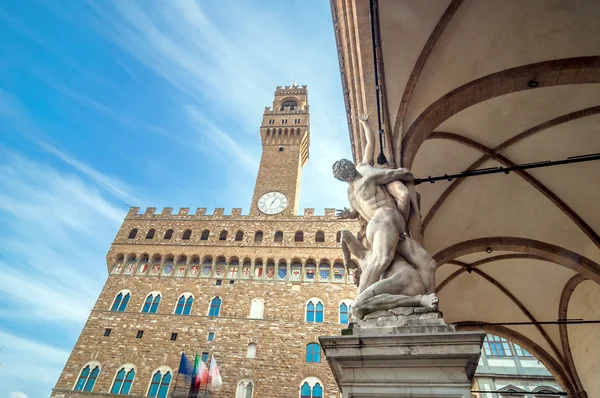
404 282
417 256
382 232
390 301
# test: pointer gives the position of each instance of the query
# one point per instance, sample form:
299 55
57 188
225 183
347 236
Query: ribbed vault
473 84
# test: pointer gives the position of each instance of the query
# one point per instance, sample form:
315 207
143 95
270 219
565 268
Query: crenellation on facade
236 212
310 212
235 215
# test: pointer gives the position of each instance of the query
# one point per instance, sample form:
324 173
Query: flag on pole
195 385
215 375
185 367
200 377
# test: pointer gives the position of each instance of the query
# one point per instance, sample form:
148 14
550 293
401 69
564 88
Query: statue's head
344 170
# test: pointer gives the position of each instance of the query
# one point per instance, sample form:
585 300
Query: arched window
223 235
215 306
159 386
299 236
324 271
205 234
338 236
245 389
251 352
87 377
133 233
278 236
496 346
546 392
169 234
282 269
511 390
320 237
184 304
258 236
521 352
150 233
313 352
257 308
309 270
151 303
311 387
187 234
314 311
239 235
288 104
121 300
338 272
344 312
123 380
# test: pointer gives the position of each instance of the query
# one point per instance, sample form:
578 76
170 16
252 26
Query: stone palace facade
254 290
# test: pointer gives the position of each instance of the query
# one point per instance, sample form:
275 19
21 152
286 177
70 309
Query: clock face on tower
272 203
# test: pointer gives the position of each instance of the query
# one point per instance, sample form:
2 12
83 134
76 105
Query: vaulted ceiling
483 83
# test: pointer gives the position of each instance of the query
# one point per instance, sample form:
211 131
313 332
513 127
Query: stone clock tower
285 134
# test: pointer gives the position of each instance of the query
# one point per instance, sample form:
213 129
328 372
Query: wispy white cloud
180 43
12 109
207 130
17 394
56 226
229 59
21 358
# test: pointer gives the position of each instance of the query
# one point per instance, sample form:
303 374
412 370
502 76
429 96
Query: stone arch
239 235
547 360
92 365
547 251
257 308
577 70
163 370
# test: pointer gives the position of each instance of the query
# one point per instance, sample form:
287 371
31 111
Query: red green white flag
199 375
215 375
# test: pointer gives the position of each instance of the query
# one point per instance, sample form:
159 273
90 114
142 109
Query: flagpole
176 379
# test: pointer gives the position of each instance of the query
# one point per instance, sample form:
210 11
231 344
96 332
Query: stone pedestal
403 353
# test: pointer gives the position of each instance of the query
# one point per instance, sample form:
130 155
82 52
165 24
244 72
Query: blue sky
146 103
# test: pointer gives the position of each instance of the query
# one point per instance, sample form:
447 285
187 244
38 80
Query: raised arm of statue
386 176
369 154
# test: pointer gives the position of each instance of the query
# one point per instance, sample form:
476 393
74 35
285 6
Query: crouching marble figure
395 270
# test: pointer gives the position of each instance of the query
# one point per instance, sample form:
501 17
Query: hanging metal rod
373 12
506 170
520 394
557 322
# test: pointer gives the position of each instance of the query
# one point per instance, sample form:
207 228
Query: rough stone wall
279 171
281 336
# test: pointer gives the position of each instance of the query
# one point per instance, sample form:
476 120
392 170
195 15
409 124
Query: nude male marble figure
386 200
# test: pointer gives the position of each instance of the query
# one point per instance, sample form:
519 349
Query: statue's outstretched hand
346 213
363 117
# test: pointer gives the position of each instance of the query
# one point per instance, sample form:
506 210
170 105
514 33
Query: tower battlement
269 110
294 87
183 213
